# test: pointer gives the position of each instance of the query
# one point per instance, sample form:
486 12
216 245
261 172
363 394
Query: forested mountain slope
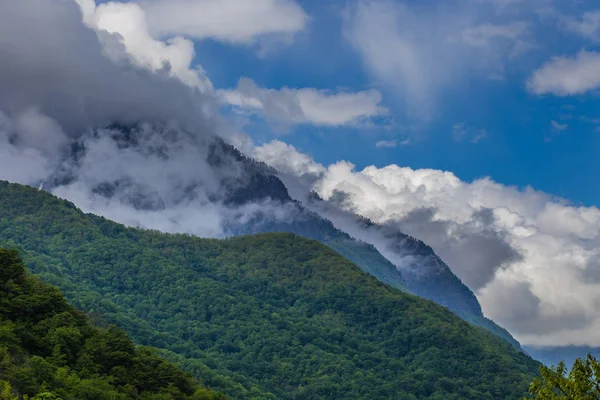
427 276
246 197
49 350
268 316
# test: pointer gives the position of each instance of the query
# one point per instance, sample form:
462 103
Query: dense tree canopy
49 351
272 316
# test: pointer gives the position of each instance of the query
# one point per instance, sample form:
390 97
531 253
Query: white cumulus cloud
567 76
156 33
306 105
129 22
533 260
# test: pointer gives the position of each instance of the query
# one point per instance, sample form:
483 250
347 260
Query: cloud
233 21
532 259
420 52
462 132
483 35
296 163
152 31
558 127
387 143
306 105
57 65
28 146
149 176
129 22
83 116
567 76
392 143
588 26
59 88
498 43
480 136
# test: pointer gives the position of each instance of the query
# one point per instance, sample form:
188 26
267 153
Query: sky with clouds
470 124
517 77
500 88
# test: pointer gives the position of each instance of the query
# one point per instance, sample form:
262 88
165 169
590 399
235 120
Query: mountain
50 351
425 275
270 316
259 182
252 198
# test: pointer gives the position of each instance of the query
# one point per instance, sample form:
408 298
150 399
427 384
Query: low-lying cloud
529 257
85 114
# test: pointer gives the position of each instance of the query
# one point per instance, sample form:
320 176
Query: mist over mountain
140 175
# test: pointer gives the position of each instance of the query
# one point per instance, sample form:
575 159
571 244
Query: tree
582 382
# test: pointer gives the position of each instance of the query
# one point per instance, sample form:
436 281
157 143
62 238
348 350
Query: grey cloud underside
475 250
51 61
592 271
476 253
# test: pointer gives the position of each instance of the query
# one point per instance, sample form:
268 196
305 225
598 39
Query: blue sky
522 145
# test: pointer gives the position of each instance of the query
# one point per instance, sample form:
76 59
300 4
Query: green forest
270 316
50 351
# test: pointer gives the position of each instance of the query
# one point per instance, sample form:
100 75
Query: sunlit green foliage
49 351
271 316
581 382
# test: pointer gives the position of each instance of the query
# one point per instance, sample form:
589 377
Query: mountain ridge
250 308
240 181
438 283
